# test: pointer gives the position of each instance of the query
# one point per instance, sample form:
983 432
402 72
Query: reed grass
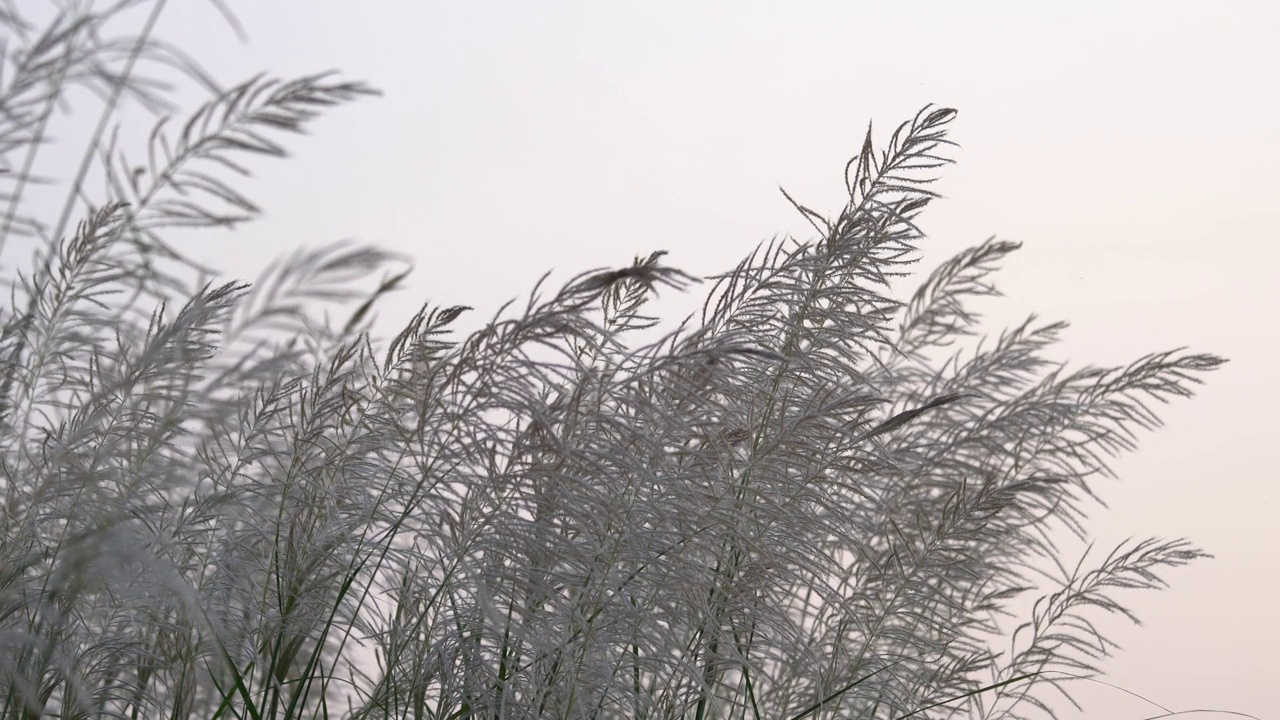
803 502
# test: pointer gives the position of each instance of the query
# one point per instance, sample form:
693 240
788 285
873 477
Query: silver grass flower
216 503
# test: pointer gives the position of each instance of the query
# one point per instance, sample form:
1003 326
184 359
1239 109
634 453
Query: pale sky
1130 145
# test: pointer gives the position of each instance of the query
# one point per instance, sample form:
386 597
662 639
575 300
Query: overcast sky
1131 146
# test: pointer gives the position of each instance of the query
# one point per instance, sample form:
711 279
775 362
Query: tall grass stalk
216 502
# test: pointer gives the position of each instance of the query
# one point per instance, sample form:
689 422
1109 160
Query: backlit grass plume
216 502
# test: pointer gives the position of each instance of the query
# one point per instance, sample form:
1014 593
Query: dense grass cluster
216 503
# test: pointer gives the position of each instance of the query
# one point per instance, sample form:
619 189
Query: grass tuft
217 502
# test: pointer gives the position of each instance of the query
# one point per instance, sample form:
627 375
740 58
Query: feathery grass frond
221 501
